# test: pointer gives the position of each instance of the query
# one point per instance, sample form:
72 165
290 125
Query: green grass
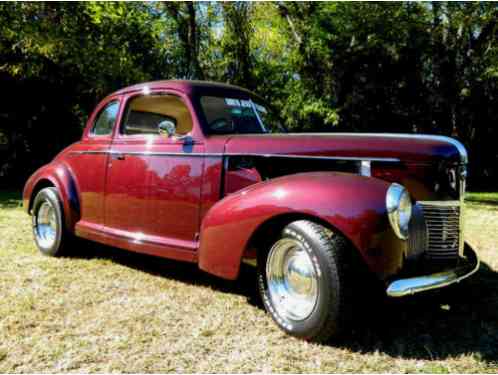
486 198
109 310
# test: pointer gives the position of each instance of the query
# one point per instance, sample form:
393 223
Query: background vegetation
399 67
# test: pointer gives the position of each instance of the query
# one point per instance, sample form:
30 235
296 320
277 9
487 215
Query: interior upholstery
166 105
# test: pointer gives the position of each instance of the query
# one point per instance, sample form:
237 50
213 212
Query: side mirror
167 127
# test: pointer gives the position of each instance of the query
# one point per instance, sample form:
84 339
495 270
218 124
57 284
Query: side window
144 114
105 119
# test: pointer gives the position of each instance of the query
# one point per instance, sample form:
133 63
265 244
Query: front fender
352 204
59 175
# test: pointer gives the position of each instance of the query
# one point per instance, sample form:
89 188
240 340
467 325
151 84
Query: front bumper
412 285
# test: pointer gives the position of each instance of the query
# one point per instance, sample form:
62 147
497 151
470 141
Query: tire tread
335 247
335 250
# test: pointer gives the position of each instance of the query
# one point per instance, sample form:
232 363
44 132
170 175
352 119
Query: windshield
236 116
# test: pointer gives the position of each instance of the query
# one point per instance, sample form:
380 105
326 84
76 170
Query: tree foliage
398 67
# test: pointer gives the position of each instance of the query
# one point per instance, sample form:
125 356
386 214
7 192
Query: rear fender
60 176
352 204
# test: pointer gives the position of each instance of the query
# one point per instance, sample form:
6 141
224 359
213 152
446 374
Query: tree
57 60
398 67
184 15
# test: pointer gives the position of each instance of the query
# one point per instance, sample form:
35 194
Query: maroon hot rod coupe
200 172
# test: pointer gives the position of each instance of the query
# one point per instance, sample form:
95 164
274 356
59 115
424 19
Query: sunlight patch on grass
483 198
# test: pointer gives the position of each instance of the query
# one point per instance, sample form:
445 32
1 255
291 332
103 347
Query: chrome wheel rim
292 280
46 225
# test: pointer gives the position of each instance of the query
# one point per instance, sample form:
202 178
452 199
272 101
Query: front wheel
303 283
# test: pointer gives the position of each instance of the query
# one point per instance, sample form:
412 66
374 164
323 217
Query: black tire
328 253
58 247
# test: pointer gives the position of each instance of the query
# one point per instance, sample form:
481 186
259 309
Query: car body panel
354 205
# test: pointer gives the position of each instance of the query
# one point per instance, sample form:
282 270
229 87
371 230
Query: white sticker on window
245 103
232 102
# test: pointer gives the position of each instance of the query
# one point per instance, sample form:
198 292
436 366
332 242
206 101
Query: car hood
405 147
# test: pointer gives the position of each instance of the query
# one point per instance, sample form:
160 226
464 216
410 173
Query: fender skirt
352 204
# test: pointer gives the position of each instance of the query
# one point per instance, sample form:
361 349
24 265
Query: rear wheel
303 281
51 236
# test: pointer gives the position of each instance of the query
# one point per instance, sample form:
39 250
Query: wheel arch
270 228
60 177
40 184
349 204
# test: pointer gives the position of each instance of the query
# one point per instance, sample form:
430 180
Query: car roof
191 87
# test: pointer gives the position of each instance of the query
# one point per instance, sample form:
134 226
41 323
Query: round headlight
399 209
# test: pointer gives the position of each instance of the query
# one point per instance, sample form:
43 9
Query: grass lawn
109 310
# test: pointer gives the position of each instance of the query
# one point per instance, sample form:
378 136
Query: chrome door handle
118 156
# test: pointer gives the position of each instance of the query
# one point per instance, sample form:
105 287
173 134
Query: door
174 181
88 162
126 189
154 180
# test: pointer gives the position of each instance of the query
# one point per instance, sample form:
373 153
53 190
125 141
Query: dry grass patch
109 310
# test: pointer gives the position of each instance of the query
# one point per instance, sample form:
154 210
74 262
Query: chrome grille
417 237
443 229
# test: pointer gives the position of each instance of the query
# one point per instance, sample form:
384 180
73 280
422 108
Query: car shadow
459 320
185 272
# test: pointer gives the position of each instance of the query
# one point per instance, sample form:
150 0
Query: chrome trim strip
294 156
89 152
412 285
290 156
441 203
462 176
464 158
458 145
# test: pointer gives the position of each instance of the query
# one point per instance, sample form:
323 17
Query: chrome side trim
145 153
464 158
412 285
207 154
89 152
458 145
294 156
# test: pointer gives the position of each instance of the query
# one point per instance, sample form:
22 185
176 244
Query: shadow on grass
462 319
180 271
